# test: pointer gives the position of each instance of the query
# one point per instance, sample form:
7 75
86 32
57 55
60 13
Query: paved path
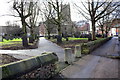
44 46
110 48
94 66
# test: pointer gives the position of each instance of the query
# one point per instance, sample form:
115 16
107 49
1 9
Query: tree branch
103 10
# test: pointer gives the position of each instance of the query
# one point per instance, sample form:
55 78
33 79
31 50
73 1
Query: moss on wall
17 68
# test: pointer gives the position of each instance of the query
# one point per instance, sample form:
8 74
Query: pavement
111 48
96 64
44 46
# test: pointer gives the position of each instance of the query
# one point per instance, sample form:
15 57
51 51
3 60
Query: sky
6 10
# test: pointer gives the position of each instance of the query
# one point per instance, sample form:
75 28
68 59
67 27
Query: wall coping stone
26 65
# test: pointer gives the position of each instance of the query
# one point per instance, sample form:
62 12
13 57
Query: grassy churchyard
17 43
5 42
72 42
69 38
14 44
11 43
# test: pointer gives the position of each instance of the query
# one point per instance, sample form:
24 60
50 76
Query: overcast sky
6 8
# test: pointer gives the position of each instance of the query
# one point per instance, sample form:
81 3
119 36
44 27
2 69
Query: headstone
69 56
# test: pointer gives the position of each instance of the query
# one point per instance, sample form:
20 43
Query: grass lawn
72 42
69 38
8 42
11 43
15 44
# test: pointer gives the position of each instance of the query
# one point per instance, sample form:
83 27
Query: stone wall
43 66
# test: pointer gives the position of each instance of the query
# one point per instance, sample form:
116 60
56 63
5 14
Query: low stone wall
43 66
90 46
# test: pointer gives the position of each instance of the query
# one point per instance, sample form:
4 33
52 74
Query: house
116 26
83 26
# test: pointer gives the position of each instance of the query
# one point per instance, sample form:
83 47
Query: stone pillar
69 56
78 51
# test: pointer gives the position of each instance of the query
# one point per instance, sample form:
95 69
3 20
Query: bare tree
58 16
48 18
116 13
101 25
93 11
28 12
33 20
107 24
23 10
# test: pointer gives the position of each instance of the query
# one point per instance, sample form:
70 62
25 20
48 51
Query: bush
90 46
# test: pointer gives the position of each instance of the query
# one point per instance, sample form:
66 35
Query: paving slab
92 67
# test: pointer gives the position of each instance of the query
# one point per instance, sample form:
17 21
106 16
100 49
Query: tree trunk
31 38
93 30
106 32
49 35
24 36
102 33
24 40
59 37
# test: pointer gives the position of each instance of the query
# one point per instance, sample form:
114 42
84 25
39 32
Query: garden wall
90 46
43 66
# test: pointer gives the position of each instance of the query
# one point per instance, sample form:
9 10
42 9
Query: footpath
44 46
96 64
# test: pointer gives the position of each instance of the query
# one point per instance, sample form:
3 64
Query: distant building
116 21
66 24
116 26
83 26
